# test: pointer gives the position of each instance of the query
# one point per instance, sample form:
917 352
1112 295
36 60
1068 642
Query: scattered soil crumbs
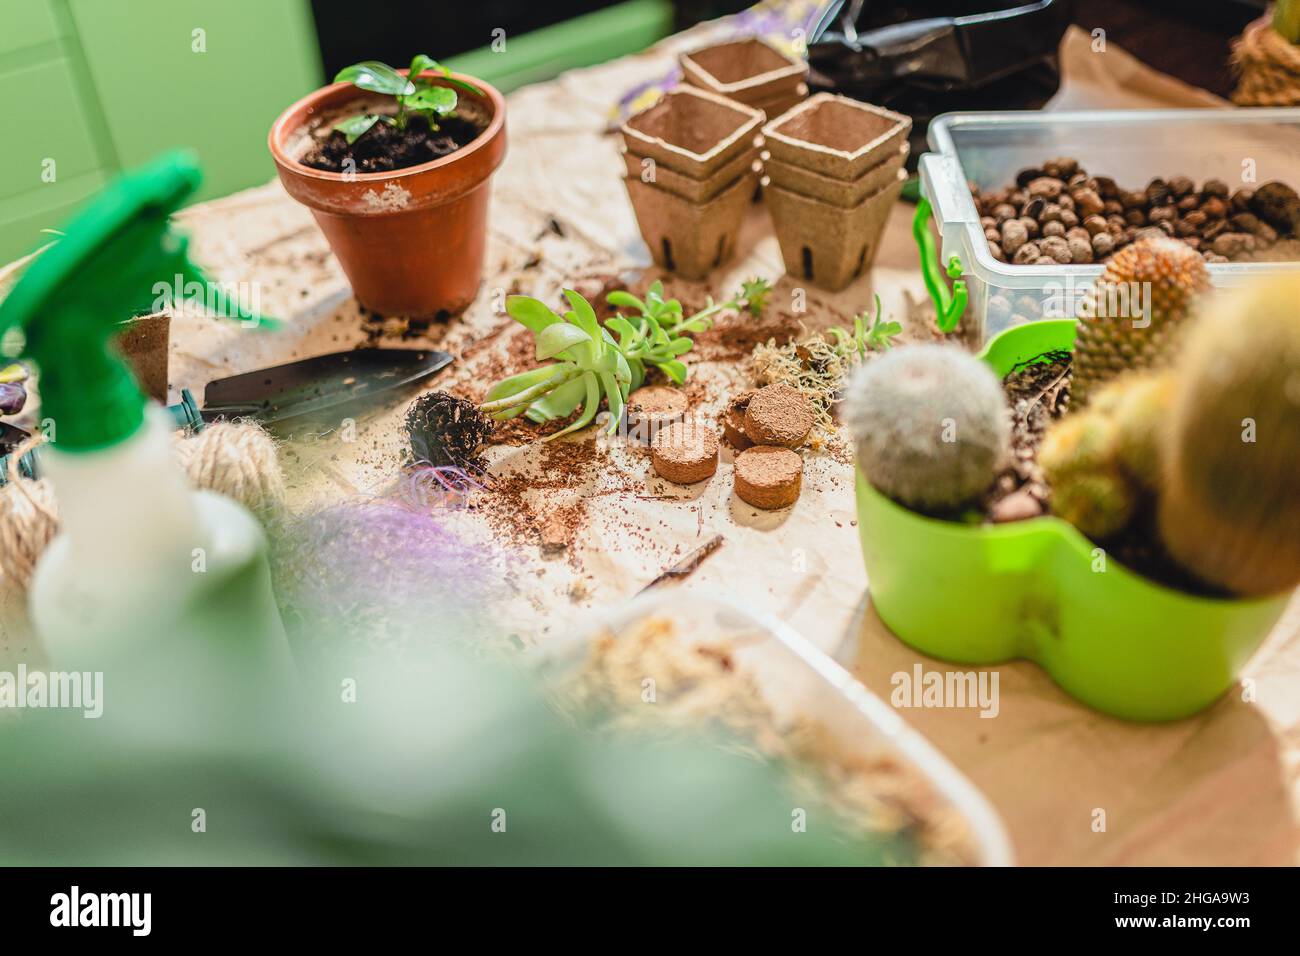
1038 393
734 337
704 687
384 148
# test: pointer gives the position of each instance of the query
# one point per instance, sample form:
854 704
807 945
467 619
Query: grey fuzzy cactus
931 425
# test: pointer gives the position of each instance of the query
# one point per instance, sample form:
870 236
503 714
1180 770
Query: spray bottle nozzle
117 257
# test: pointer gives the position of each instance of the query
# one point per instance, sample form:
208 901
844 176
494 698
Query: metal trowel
311 386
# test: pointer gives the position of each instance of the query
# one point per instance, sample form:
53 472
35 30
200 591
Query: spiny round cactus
1139 404
1079 458
1133 316
1230 504
931 425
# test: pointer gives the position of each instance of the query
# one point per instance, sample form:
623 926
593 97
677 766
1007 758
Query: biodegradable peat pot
690 239
144 342
837 192
692 132
777 105
984 594
748 70
830 245
412 240
836 136
688 187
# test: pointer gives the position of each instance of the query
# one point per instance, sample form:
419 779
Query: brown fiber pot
411 241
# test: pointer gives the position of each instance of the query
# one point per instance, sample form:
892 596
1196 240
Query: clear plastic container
797 678
1243 147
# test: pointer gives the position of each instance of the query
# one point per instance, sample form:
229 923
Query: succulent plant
1132 317
931 425
1080 460
1230 505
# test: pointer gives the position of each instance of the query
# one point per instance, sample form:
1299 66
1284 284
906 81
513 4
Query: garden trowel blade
317 384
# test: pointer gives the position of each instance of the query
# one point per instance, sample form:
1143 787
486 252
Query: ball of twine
238 459
1268 66
29 518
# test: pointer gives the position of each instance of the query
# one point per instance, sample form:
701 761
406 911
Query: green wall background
96 86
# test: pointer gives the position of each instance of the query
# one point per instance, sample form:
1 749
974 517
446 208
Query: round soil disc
779 415
654 407
769 476
733 421
685 452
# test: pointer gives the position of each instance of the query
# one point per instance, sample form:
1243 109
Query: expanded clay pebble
779 415
769 476
733 421
685 452
653 408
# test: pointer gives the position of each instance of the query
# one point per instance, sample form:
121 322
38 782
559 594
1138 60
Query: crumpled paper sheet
1219 788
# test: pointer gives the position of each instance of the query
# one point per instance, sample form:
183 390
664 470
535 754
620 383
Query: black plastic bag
924 59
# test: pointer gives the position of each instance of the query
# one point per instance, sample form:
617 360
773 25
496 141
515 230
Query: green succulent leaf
675 370
625 300
554 339
584 315
517 383
590 402
376 77
532 314
559 403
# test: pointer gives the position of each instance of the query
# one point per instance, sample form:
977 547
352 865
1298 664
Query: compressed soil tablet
733 421
769 476
779 415
654 407
685 452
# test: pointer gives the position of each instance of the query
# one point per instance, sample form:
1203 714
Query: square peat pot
688 238
1131 146
837 192
830 245
749 70
692 132
982 595
836 136
646 169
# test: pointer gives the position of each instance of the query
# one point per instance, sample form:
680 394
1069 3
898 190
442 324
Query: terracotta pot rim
282 128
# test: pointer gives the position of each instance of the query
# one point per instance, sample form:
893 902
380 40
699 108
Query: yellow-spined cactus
1229 507
1079 458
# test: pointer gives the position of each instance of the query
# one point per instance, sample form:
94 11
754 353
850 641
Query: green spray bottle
139 555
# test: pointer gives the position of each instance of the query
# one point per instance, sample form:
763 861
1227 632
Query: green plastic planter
1034 589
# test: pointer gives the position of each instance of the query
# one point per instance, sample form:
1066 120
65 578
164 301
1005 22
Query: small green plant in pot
395 164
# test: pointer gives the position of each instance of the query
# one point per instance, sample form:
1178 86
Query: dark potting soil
1038 394
384 148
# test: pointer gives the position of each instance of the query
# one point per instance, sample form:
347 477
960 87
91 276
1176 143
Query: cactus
931 425
1135 312
1142 413
1080 460
1230 505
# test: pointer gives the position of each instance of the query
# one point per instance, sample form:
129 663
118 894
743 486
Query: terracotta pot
411 241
